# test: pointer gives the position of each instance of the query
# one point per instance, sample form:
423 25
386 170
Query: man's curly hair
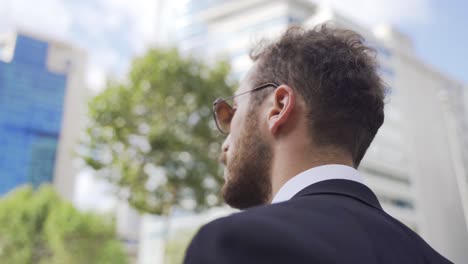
335 72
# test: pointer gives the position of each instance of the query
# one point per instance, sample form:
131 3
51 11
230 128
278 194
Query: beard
248 181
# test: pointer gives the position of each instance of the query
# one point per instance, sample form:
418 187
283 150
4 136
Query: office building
41 111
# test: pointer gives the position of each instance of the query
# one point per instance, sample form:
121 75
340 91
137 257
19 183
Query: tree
153 136
177 245
39 227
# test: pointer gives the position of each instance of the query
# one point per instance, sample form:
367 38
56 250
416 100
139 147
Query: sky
438 29
111 31
114 31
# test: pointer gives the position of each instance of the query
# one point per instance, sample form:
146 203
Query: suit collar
315 175
348 188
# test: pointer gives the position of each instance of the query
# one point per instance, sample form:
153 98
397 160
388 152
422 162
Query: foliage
153 136
177 245
39 227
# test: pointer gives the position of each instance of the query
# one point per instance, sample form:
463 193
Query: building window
386 71
395 201
386 53
379 173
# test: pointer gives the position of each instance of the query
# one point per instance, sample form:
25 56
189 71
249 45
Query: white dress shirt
314 175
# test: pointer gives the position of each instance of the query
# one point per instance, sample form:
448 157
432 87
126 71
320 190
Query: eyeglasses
223 112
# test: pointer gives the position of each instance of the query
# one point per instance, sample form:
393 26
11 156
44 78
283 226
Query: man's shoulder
299 228
247 235
270 219
314 217
261 219
259 213
252 217
282 213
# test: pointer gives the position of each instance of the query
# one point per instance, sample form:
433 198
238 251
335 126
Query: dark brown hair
336 74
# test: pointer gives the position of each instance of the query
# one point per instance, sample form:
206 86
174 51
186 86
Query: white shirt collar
314 175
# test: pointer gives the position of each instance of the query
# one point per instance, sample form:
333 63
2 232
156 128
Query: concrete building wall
71 61
434 158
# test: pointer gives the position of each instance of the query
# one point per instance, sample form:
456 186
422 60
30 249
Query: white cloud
91 24
142 16
96 77
110 30
51 16
93 194
371 12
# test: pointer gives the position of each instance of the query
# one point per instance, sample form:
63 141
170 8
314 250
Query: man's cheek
232 149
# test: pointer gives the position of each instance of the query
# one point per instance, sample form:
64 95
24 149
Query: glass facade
31 106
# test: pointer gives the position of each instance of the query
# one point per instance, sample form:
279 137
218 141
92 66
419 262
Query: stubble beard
248 182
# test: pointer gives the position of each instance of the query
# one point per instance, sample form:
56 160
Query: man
299 125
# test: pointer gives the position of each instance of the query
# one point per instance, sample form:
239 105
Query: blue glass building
31 106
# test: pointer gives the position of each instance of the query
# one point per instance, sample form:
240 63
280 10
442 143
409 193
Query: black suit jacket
333 221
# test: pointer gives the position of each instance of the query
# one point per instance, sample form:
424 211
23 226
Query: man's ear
284 101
